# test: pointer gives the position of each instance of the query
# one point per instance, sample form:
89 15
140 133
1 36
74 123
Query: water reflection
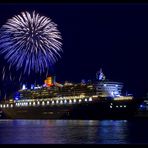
112 132
68 131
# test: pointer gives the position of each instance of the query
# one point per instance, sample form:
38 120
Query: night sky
113 37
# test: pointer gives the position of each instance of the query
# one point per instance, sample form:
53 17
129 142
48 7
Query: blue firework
30 42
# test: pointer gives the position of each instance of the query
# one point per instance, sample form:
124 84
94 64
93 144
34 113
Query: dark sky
113 37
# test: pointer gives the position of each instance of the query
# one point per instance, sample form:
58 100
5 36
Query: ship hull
90 110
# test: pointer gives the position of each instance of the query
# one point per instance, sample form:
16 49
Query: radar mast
100 75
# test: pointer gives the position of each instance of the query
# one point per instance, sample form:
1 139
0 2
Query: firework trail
30 42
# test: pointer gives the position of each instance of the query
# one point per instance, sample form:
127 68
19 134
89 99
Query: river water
73 131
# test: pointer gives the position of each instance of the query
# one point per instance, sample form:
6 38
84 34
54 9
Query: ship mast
100 75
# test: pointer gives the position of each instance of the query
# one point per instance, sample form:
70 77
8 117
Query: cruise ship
101 99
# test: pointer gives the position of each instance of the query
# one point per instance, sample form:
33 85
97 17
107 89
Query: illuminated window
80 100
61 102
38 103
29 103
7 105
4 106
117 106
120 105
111 107
124 105
57 101
52 102
33 103
90 99
43 103
85 99
47 102
70 101
11 105
65 101
74 100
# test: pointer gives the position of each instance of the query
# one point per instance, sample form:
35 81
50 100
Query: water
73 132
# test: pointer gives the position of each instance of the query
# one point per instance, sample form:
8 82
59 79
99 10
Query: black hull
91 110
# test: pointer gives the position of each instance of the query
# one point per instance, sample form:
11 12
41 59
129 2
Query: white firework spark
30 42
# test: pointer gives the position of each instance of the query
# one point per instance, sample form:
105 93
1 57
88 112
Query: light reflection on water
70 131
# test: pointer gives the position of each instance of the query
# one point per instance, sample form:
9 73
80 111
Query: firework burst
30 42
